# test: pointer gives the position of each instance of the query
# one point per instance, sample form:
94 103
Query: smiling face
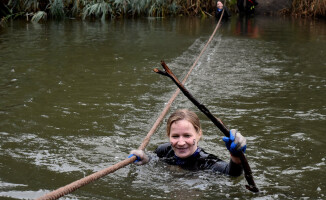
184 138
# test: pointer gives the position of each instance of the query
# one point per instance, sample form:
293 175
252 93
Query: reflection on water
76 97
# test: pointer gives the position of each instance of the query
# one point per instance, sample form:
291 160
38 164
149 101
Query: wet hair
219 1
183 114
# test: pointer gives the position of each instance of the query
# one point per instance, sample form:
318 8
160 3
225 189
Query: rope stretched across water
90 178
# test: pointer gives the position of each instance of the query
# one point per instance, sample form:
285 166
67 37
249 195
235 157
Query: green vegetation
41 10
58 9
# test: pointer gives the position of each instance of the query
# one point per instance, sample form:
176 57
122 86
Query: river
77 96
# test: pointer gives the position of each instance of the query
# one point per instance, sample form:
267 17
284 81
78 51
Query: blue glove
142 158
235 143
138 158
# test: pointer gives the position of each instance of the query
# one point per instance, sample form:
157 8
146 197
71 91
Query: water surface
76 97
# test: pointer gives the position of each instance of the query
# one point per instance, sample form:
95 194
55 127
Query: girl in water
184 132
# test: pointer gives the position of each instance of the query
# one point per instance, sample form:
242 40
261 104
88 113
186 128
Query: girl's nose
181 141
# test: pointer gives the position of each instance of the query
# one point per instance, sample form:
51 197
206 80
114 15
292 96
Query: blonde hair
183 114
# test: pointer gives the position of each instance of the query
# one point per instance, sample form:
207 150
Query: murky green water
76 97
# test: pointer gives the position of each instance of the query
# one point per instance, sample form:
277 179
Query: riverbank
155 8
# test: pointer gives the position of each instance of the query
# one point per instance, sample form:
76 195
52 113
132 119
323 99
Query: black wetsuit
200 160
226 14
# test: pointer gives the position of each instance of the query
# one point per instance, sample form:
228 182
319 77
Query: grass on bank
312 8
41 10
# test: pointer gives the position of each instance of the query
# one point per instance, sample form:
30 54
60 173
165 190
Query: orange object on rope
97 175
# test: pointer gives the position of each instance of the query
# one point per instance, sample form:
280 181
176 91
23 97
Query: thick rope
167 107
97 175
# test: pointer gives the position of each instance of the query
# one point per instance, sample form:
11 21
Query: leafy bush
59 9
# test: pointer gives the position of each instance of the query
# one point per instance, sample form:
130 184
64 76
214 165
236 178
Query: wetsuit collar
181 161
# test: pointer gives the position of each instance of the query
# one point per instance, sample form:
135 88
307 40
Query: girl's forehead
182 122
182 125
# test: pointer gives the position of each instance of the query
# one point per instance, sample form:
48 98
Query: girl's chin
182 154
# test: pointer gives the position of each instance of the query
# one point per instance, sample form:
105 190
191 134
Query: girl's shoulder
164 150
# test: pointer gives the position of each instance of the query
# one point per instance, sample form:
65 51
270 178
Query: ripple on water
86 118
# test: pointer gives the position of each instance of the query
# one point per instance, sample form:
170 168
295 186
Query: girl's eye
175 136
187 136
